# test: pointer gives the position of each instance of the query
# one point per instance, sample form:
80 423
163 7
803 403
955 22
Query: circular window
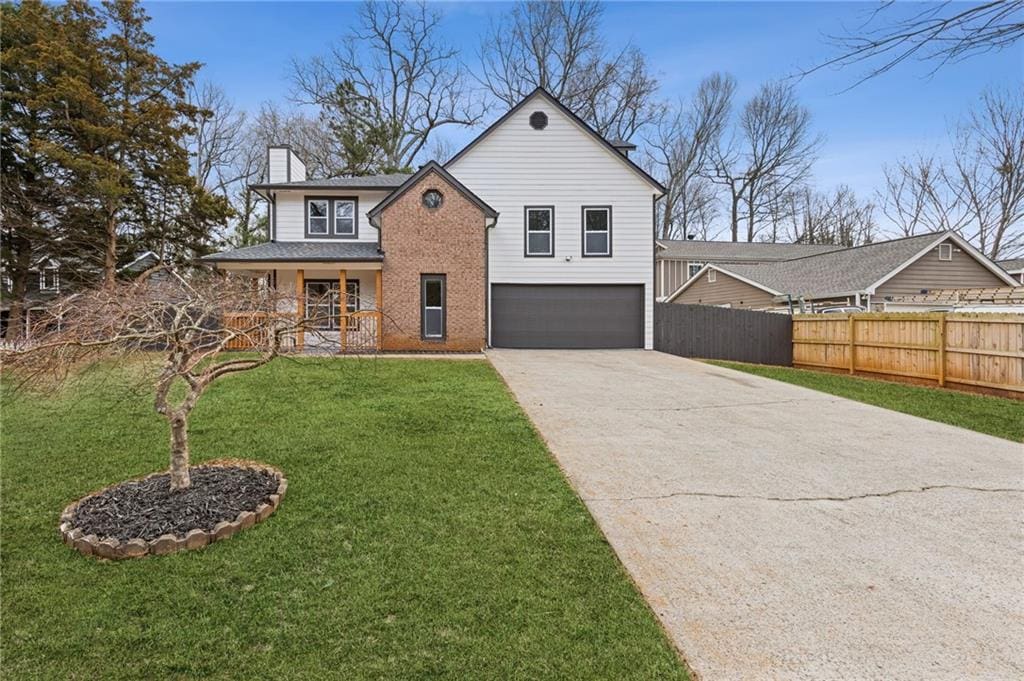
538 120
432 198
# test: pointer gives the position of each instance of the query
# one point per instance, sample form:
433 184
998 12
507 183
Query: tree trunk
735 215
179 454
110 250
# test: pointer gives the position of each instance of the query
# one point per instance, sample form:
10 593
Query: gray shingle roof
1012 265
730 251
848 270
301 251
389 181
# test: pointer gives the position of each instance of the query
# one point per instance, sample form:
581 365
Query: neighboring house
43 285
678 260
1015 267
874 276
539 233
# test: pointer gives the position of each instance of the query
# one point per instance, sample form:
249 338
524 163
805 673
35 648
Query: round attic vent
538 120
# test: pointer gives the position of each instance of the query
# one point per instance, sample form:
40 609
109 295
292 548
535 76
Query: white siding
291 216
277 170
563 166
298 168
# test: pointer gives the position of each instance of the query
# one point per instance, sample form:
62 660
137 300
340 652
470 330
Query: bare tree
919 197
838 218
770 152
678 152
162 313
388 85
558 46
987 172
938 32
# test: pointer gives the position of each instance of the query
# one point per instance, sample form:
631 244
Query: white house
539 233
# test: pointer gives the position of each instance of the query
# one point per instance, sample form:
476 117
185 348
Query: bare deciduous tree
987 173
771 152
161 313
838 218
938 32
558 46
388 85
678 152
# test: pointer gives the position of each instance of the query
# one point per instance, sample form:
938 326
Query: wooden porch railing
250 323
361 331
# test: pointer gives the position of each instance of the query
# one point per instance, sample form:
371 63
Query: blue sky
247 48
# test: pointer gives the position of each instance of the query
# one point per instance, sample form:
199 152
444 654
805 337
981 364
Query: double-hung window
318 219
322 304
597 231
344 217
540 231
432 302
49 279
694 268
332 217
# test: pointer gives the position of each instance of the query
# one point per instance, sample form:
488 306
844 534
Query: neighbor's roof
846 271
388 181
301 251
1012 266
733 251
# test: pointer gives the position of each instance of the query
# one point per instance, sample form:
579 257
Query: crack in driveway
870 495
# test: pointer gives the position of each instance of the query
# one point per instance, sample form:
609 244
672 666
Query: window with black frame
322 304
433 307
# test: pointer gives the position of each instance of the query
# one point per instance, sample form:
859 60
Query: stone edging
114 549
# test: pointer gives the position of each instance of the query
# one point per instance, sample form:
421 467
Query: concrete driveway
782 533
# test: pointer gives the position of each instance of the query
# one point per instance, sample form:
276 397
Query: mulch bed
148 508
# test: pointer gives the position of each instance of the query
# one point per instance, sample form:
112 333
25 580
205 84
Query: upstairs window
49 279
345 217
332 217
540 231
694 268
317 217
945 251
597 231
712 276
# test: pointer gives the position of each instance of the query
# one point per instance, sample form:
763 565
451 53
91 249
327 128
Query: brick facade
450 240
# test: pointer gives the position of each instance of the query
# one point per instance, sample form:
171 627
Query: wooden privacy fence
722 333
977 350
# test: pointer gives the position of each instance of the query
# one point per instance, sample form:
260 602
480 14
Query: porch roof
301 251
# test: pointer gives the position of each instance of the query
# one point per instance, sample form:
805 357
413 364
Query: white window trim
690 271
55 282
607 210
334 214
712 276
946 249
326 217
550 231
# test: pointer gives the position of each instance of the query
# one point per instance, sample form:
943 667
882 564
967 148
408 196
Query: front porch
340 307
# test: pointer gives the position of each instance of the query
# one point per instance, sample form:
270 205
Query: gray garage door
567 316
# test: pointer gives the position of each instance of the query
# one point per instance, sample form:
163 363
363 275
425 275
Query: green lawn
993 415
427 533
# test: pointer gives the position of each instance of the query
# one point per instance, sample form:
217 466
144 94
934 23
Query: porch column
342 309
300 307
378 300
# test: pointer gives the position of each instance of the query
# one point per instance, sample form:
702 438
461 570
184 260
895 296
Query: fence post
942 349
850 334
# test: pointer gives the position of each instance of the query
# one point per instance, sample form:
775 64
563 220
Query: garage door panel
567 316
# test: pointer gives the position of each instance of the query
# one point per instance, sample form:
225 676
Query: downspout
487 279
